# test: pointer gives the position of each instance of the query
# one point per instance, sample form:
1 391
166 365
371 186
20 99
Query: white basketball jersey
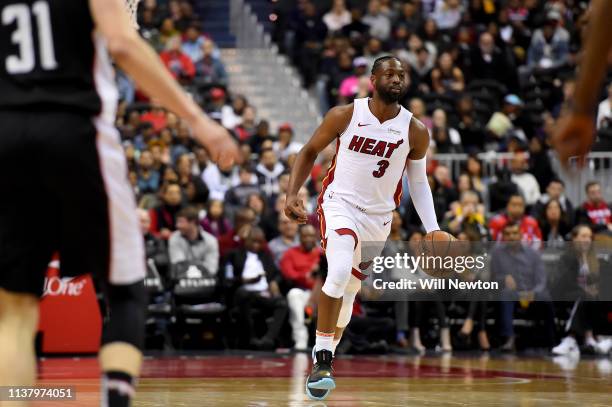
369 162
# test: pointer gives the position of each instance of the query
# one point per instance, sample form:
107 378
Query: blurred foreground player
64 176
376 139
574 136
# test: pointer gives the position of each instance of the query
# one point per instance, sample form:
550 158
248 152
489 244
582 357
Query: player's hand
221 147
574 137
294 209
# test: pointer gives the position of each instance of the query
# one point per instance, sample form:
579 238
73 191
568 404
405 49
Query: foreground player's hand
574 137
221 147
294 209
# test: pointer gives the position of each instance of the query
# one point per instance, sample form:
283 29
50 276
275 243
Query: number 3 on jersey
20 14
382 167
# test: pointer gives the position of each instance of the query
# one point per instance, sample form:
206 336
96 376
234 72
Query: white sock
334 344
324 341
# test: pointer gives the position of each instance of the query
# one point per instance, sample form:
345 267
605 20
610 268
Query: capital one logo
55 286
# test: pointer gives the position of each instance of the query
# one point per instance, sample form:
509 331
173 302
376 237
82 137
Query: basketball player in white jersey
376 139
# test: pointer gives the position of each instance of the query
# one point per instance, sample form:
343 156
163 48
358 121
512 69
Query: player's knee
335 283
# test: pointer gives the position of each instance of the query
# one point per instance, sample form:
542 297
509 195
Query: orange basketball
437 247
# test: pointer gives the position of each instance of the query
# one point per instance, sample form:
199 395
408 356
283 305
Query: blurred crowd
226 265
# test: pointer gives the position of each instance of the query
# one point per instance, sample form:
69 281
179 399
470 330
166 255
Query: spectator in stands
209 68
419 111
479 183
191 243
186 179
555 190
252 271
218 101
299 267
237 195
146 134
268 171
163 218
488 62
550 44
380 24
244 220
409 17
218 181
578 280
357 30
231 116
309 36
515 214
446 77
285 146
554 223
595 212
262 134
266 217
338 17
519 270
248 126
500 189
167 31
148 178
508 122
604 111
155 248
178 63
447 14
215 221
527 183
372 51
350 85
467 215
192 43
539 162
469 126
287 238
440 123
183 143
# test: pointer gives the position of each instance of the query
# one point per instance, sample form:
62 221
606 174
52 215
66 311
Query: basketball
436 247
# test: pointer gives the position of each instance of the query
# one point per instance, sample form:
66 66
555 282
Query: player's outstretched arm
574 135
334 123
141 62
420 192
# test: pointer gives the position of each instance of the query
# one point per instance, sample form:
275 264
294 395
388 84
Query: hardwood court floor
253 380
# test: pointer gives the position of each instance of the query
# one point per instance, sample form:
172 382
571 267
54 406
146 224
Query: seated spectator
231 116
167 31
262 134
192 43
337 17
252 271
500 189
179 64
419 111
409 17
509 122
247 126
146 134
520 271
350 85
515 214
299 266
148 177
287 238
527 183
604 111
488 62
163 218
244 220
184 170
157 116
440 121
237 195
550 44
578 279
595 212
554 223
372 51
218 181
215 221
447 14
191 243
539 162
155 248
467 215
268 172
446 78
285 146
209 68
380 24
474 171
555 190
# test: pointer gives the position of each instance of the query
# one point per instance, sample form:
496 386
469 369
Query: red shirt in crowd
157 119
598 214
179 64
530 230
297 264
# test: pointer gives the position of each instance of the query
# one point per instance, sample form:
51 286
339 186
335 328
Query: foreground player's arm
420 193
139 60
334 123
575 133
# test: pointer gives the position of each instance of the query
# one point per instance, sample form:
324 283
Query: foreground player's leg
339 261
346 311
18 323
123 340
